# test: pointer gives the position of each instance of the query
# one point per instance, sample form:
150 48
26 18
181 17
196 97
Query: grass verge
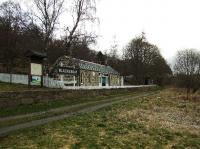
5 87
158 121
9 121
38 107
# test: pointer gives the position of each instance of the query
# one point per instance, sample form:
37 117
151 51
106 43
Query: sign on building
67 70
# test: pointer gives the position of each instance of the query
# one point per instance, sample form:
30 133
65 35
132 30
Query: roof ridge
93 63
85 61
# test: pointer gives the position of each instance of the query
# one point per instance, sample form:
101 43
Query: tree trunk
188 92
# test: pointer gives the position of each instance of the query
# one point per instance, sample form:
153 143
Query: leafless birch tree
82 12
187 69
48 15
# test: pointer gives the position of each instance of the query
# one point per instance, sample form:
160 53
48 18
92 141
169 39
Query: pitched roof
86 65
95 67
32 53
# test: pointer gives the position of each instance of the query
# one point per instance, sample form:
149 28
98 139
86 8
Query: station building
76 72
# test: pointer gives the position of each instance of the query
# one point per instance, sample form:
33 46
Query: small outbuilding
76 72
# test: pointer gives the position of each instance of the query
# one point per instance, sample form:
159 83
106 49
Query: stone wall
114 80
89 78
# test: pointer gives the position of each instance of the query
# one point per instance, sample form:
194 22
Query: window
68 78
81 78
89 78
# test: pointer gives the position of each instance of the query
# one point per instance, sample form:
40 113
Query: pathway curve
5 131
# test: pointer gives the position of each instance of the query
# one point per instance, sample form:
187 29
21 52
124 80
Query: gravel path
5 131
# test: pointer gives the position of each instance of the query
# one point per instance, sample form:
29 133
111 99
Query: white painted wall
15 78
23 79
51 83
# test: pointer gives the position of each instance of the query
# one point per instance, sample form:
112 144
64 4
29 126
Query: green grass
38 107
4 87
72 106
67 109
158 121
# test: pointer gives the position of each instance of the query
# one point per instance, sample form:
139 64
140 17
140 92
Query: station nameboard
67 70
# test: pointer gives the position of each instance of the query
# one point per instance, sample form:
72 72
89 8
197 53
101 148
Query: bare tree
141 57
82 11
113 51
112 57
48 15
187 69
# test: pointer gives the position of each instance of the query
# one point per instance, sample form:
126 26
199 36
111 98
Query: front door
103 81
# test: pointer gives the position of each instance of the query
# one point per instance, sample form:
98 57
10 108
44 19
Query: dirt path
5 131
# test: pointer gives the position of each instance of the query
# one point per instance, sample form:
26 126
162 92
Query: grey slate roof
86 65
95 67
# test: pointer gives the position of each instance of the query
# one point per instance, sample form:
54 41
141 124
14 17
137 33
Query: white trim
104 87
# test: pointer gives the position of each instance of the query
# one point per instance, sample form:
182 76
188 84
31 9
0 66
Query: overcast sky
170 24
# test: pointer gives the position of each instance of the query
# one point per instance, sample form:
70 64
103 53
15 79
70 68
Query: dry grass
6 87
161 121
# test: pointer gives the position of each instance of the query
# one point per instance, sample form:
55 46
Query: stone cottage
76 72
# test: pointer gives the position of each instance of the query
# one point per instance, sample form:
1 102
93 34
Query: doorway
103 81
